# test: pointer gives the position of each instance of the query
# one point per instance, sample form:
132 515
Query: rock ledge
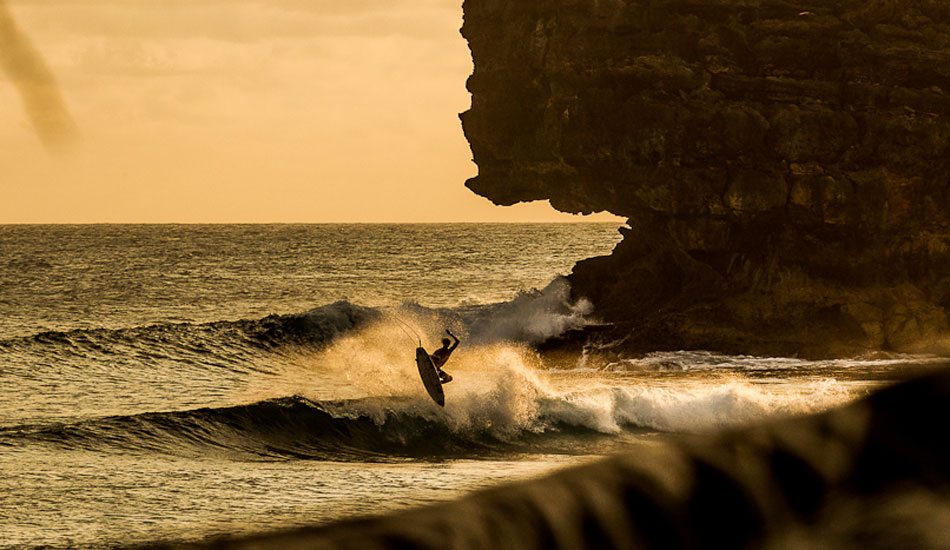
784 164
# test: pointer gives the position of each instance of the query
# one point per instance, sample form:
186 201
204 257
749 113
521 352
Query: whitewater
176 383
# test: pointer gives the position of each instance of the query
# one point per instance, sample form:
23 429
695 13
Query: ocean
181 382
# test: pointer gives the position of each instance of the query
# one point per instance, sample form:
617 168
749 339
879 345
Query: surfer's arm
454 337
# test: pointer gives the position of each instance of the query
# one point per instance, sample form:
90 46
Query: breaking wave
505 408
530 317
339 382
706 360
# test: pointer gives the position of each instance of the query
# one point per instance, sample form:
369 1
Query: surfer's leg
444 377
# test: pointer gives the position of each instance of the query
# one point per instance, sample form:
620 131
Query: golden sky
244 111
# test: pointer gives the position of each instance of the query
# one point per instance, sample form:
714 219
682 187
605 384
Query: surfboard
430 377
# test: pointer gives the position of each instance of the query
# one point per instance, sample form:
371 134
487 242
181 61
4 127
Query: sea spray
532 317
502 391
364 371
501 395
375 356
718 404
359 398
501 388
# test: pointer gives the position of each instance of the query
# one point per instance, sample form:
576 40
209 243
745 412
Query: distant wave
315 327
530 317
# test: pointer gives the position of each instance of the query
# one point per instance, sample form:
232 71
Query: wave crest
504 407
532 317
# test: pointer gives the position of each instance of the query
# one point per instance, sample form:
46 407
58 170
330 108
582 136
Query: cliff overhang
784 164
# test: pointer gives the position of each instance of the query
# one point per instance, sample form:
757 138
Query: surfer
441 355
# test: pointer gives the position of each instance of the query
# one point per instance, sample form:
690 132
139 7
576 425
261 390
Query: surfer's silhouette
441 355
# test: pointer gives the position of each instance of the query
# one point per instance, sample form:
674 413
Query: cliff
784 164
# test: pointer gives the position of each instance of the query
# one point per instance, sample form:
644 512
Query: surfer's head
446 342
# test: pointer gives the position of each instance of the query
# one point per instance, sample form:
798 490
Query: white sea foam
532 316
716 405
706 360
609 407
500 389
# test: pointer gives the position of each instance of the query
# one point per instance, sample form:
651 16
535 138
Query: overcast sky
247 111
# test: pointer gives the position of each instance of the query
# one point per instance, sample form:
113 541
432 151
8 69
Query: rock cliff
784 164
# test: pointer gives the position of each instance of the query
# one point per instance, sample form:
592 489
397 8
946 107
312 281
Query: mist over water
178 382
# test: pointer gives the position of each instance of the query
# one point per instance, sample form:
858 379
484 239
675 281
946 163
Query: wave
315 327
356 391
706 360
346 350
506 408
532 316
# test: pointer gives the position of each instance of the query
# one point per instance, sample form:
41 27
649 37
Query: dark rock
785 165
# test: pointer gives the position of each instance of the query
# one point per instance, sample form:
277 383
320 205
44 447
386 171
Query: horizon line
459 222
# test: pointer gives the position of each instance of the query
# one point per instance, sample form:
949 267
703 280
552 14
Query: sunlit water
181 382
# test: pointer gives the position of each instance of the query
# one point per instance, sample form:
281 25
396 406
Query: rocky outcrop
784 164
871 475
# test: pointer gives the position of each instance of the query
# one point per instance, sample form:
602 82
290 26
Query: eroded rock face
785 164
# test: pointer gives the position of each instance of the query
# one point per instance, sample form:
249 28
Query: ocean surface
179 382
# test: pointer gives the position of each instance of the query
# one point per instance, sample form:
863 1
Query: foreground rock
874 474
785 165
